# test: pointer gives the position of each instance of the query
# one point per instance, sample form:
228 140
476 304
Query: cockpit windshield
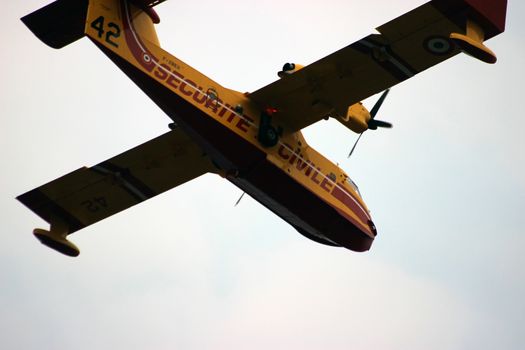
354 186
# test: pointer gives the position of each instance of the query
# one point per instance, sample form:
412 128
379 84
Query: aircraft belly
307 212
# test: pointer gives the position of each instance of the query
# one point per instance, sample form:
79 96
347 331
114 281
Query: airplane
253 140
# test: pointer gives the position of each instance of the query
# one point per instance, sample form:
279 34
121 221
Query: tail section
59 23
65 21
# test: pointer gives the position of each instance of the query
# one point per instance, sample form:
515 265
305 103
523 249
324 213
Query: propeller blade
355 144
378 104
373 124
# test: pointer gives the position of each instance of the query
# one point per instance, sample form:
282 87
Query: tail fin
59 23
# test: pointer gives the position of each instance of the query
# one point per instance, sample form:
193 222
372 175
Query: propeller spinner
373 123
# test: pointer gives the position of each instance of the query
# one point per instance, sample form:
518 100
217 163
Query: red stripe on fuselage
141 53
351 203
323 182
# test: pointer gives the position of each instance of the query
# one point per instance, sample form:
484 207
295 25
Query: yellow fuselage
290 178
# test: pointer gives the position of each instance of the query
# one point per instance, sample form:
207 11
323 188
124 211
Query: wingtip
56 242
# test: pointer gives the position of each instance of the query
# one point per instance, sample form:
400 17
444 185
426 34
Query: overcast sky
187 270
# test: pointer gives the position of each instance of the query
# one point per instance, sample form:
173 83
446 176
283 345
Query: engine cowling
356 119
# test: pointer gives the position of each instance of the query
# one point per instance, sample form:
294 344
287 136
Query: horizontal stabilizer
59 23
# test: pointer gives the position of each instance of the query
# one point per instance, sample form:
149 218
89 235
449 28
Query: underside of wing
405 46
88 195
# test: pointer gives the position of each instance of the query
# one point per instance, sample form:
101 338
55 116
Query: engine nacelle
289 68
356 119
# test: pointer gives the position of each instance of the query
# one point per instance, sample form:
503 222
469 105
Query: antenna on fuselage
239 200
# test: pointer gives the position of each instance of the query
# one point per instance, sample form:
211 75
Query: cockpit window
354 186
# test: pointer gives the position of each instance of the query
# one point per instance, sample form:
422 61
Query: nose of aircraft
372 227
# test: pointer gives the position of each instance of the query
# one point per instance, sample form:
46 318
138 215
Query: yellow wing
405 46
88 195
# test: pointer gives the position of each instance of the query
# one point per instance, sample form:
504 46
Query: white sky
187 270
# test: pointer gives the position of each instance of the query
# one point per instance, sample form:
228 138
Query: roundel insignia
147 59
438 45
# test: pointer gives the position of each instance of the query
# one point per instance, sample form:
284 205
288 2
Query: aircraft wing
405 46
88 195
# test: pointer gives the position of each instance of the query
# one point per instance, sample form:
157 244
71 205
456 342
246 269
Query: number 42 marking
95 204
113 31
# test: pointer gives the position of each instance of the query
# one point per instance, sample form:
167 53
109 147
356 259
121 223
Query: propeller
373 123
